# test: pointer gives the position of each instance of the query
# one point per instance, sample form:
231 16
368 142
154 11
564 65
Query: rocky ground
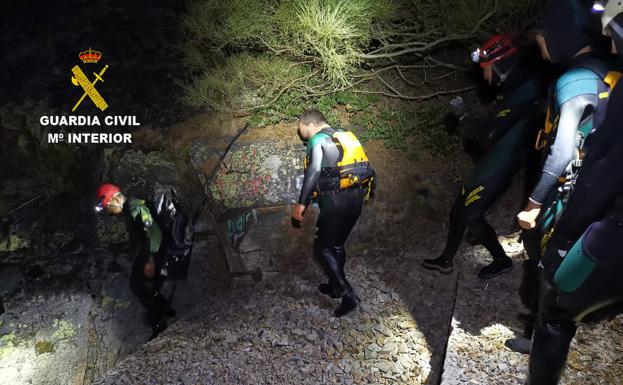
413 326
72 319
281 331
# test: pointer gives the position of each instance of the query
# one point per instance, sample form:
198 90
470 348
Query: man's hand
527 218
149 269
297 212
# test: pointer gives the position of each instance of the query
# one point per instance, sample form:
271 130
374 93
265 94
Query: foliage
54 167
396 128
246 54
243 80
292 105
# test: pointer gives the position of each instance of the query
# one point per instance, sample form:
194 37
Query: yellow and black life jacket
353 168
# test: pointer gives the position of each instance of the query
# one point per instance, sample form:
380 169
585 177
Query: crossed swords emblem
80 79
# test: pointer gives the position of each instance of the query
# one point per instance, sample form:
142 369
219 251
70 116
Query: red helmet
105 194
496 48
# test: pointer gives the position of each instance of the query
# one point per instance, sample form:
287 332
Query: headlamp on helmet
498 47
104 194
599 6
476 55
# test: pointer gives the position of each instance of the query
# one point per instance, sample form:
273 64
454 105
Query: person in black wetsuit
582 265
339 177
511 127
146 281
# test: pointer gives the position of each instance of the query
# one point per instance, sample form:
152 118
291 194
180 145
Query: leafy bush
291 106
246 54
396 128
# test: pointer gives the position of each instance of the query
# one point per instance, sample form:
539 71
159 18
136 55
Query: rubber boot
157 315
349 299
349 303
331 267
548 354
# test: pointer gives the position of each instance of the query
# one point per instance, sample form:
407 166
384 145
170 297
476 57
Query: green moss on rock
13 243
42 347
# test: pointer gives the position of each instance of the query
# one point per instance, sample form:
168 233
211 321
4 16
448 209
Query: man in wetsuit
582 268
576 107
511 132
578 100
145 237
339 177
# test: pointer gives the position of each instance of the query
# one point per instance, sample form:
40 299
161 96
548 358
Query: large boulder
250 189
252 174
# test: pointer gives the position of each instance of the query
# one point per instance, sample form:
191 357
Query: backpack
177 236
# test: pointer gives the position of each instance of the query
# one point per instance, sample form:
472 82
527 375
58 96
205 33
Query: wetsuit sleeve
311 174
563 150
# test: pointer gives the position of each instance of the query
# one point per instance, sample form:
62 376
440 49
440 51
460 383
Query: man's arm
311 175
562 152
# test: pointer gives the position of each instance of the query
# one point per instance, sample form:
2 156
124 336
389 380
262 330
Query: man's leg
548 354
149 296
487 237
352 201
338 215
456 231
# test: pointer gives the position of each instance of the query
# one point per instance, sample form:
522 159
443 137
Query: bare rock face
140 174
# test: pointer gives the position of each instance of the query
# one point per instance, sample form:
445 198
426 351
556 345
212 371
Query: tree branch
419 97
428 46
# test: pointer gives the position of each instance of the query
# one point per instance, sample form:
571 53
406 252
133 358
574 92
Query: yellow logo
473 195
79 79
503 113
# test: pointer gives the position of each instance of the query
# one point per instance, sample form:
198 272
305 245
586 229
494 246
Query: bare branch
429 46
419 97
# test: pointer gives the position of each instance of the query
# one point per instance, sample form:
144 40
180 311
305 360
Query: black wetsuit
339 212
576 112
512 125
587 281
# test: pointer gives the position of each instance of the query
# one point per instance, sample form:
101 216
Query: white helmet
609 9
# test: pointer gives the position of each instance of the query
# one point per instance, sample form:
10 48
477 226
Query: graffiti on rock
237 227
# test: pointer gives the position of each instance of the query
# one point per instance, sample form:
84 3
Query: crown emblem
90 56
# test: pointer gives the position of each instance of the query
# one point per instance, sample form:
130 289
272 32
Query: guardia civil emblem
79 79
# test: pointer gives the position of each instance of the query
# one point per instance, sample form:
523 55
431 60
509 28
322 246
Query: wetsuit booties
332 262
